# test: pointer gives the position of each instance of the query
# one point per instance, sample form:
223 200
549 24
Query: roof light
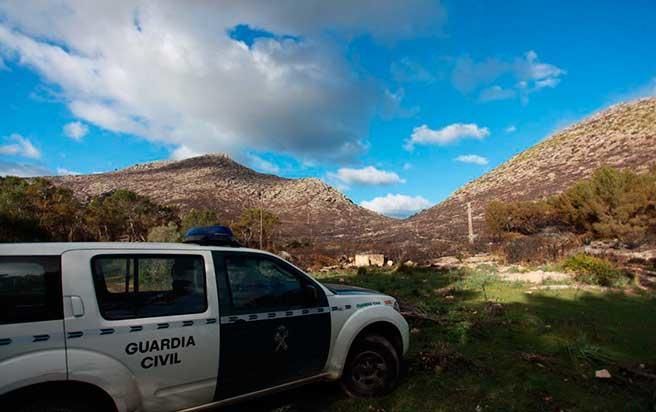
211 236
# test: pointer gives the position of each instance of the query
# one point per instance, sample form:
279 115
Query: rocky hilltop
622 136
308 208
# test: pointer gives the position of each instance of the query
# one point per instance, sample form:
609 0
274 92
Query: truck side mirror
311 293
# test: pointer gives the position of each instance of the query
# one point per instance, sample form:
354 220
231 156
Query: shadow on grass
512 352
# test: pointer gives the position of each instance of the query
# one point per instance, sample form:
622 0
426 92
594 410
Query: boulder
372 259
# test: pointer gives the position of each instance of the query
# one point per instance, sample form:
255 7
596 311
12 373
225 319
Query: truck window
30 289
141 286
259 284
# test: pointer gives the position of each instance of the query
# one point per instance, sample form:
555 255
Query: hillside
622 136
308 208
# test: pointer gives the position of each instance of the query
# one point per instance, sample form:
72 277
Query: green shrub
168 233
362 271
519 217
595 271
611 204
198 217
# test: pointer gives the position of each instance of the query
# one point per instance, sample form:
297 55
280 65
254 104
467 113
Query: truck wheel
372 368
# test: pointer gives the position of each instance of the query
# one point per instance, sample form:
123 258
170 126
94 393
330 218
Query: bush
520 217
611 204
165 234
198 217
36 210
595 271
538 249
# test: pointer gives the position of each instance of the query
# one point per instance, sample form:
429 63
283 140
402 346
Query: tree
252 223
198 217
611 204
38 211
124 215
58 212
168 233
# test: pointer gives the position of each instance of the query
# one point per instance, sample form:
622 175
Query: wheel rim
369 371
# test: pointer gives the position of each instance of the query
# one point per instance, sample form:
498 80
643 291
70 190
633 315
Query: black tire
372 368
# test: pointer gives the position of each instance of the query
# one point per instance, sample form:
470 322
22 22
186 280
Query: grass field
491 346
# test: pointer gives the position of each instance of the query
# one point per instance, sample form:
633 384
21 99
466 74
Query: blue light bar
211 236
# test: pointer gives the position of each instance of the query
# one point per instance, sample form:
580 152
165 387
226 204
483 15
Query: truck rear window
30 289
141 286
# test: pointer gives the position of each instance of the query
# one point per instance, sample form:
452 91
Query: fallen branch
637 372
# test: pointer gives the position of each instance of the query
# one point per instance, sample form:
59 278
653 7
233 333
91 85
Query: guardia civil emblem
280 338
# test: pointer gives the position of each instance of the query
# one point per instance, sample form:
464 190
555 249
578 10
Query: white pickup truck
166 327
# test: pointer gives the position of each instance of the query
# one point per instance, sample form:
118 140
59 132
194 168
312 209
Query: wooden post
471 223
261 227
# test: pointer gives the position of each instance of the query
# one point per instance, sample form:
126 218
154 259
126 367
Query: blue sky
395 103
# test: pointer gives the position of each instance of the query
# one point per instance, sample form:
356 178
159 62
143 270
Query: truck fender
108 374
18 371
355 324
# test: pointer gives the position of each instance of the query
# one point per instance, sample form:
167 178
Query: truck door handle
77 306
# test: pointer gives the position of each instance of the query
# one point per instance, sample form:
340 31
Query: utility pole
261 225
471 223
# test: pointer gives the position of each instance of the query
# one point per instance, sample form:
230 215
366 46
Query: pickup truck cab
165 327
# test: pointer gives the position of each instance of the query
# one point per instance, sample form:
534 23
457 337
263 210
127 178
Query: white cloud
396 205
76 130
519 77
261 164
496 92
409 71
472 159
17 145
448 134
510 129
366 176
22 170
407 166
61 171
159 71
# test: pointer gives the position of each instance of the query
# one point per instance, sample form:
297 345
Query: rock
449 297
364 260
446 261
390 263
602 374
409 263
535 276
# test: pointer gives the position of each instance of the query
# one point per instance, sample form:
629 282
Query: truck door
275 323
31 321
147 314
